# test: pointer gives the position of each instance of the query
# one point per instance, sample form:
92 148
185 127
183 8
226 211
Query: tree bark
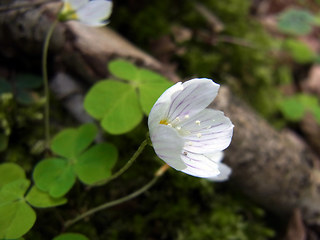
274 168
77 48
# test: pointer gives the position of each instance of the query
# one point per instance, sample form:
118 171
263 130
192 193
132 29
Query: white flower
188 136
92 13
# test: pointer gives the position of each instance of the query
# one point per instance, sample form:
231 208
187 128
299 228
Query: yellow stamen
164 122
69 12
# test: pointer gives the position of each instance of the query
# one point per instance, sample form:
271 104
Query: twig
236 41
216 24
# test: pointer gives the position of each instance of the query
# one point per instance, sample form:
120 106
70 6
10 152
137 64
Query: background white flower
92 13
188 136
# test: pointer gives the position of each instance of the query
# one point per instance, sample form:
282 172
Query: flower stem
128 164
46 84
118 201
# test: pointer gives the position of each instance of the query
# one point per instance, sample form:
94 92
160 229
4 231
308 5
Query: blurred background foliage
222 40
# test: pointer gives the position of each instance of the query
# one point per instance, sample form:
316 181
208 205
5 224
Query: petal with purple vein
168 145
196 95
199 165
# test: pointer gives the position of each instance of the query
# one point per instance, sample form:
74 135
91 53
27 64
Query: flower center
164 122
68 12
176 124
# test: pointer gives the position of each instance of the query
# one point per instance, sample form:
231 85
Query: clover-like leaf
54 175
86 134
16 219
10 172
292 109
71 142
123 70
24 97
96 163
40 199
311 104
62 143
151 86
296 21
116 104
299 51
120 106
14 190
28 81
16 216
71 236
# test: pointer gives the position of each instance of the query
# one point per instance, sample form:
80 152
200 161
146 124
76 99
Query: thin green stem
128 164
113 203
46 84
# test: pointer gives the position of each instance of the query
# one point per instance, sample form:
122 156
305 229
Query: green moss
184 207
242 50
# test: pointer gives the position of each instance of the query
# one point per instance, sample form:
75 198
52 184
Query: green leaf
295 107
24 97
10 172
71 142
296 22
71 236
151 87
123 69
28 81
54 175
62 143
146 75
116 104
96 163
85 135
316 113
41 199
299 51
5 87
13 191
308 101
292 109
149 94
16 219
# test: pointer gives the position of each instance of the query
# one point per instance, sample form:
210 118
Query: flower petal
76 4
224 174
215 156
94 13
199 165
196 95
208 131
168 145
161 107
